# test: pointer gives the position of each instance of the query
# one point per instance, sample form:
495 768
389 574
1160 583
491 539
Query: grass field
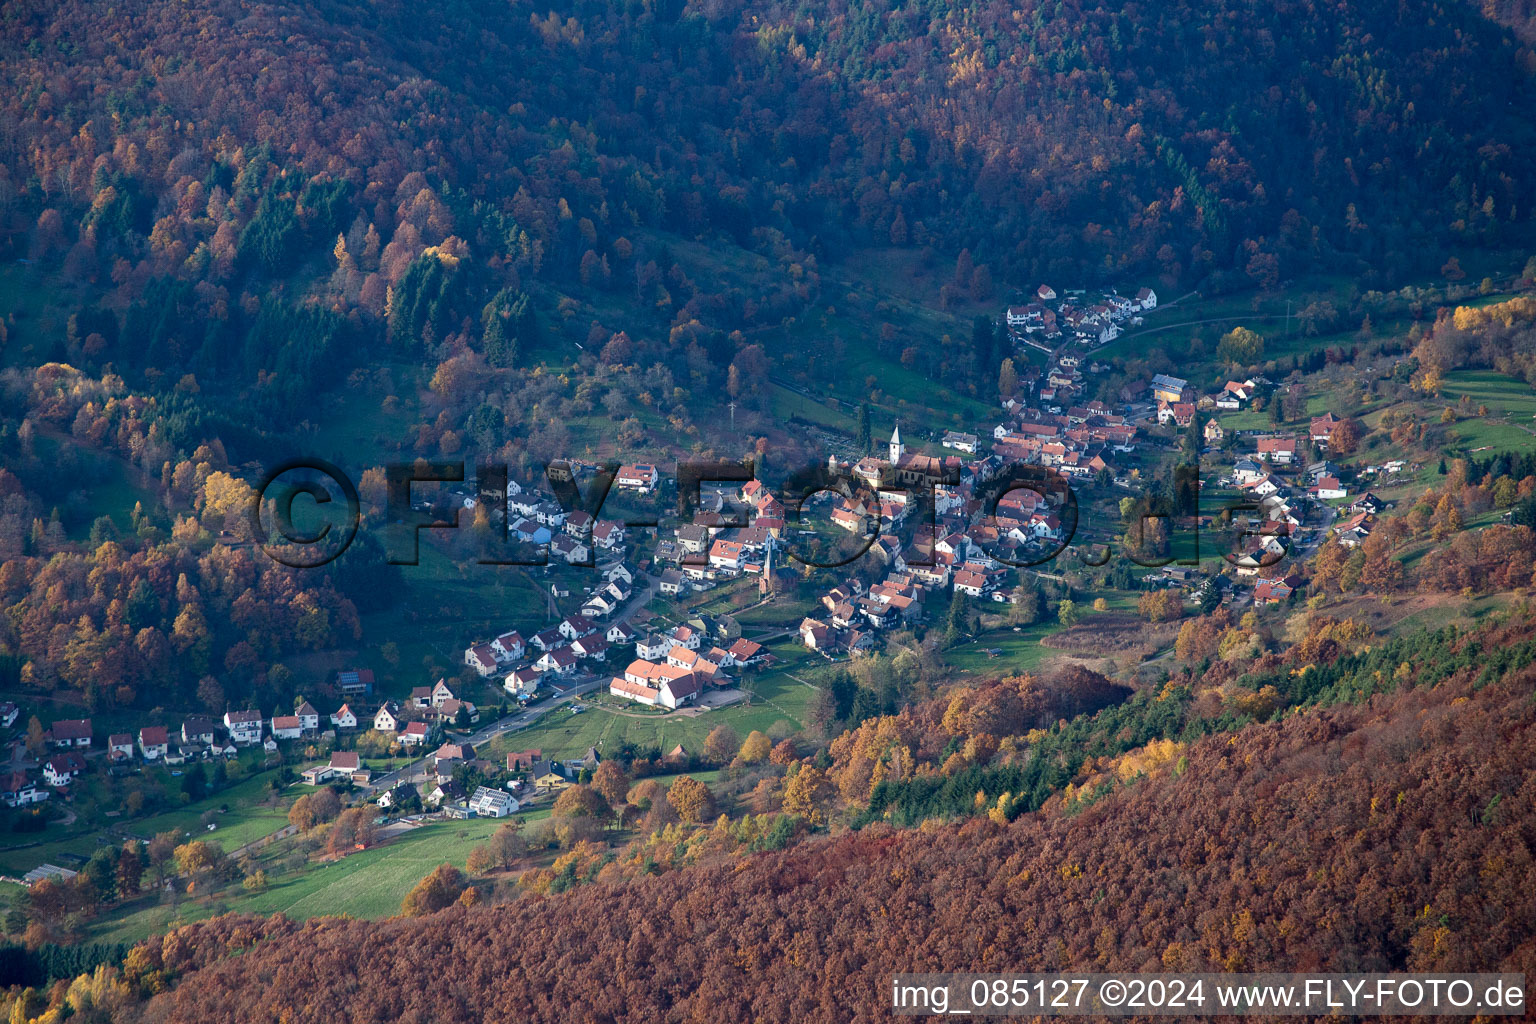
367 884
240 811
1021 651
1511 407
246 820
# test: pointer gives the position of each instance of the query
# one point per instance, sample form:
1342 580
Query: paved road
580 686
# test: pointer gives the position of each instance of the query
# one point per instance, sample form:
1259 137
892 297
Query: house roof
346 761
683 686
152 735
285 721
744 649
72 729
629 688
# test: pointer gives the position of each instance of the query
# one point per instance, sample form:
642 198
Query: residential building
244 727
153 742
523 683
640 477
493 803
1277 449
387 718
71 733
60 769
481 658
309 717
1168 389
16 790
356 682
967 443
667 693
198 731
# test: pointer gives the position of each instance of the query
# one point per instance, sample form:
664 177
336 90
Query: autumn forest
1292 245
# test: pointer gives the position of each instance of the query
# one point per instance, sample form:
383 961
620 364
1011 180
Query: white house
153 741
71 733
668 693
286 727
387 719
653 647
1275 448
16 790
575 626
481 658
493 803
559 661
309 717
344 717
414 734
687 636
608 534
1329 488
1247 471
640 477
726 554
244 727
508 646
522 683
61 768
961 442
591 647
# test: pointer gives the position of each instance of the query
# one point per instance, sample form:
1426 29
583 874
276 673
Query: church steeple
897 448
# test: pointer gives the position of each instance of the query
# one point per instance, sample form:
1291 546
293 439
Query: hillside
1390 835
204 165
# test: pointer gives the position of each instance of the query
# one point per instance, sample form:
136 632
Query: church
902 468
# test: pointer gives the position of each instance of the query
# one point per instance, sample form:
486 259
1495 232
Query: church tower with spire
897 448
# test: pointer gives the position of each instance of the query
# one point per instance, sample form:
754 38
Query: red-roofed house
639 477
153 742
72 732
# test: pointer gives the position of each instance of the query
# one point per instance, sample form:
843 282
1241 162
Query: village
916 519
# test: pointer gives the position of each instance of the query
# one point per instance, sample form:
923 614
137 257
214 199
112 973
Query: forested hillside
246 193
1391 834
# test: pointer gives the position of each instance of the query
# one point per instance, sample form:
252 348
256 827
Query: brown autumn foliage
438 890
